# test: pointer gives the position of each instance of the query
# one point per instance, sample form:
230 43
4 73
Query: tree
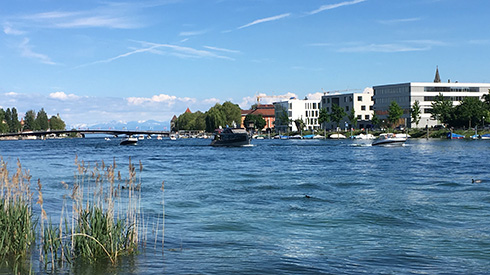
214 118
415 113
8 120
442 109
395 112
300 124
375 119
200 121
337 114
353 118
56 123
323 117
15 121
30 120
232 113
42 122
3 124
471 110
257 120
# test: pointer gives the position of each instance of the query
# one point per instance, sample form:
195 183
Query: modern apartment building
286 112
361 103
405 94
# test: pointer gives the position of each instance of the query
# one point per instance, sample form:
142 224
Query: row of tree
470 112
216 116
10 123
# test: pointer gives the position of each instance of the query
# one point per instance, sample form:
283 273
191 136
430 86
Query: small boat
159 137
363 136
107 139
337 136
231 137
173 137
451 135
308 136
296 137
319 137
129 141
485 136
389 139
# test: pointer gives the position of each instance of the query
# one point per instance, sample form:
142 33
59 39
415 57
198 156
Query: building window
328 100
306 113
359 98
346 108
328 109
350 98
366 117
363 108
324 101
359 116
371 107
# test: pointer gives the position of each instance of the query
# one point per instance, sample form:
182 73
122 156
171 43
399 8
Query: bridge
83 132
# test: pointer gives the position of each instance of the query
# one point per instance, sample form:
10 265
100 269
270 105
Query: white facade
306 110
405 95
361 103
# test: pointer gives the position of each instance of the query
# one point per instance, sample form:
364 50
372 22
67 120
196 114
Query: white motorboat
173 137
390 139
337 136
363 136
129 141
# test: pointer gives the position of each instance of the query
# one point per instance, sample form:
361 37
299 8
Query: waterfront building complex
405 95
288 111
361 103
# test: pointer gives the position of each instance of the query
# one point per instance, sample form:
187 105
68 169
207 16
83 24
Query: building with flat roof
286 112
405 95
361 103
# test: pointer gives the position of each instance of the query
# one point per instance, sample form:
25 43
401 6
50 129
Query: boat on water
337 136
451 135
231 137
390 139
363 136
129 141
173 137
485 136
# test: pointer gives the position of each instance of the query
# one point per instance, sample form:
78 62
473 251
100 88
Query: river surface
291 206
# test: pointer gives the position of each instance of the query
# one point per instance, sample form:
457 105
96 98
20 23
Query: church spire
437 79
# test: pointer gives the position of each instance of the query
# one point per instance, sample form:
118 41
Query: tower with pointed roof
437 79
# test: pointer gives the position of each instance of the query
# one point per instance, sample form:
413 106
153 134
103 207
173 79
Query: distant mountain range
149 125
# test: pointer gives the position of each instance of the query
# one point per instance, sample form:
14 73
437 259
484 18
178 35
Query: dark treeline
216 116
32 121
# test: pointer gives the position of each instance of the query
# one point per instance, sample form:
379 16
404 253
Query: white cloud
168 100
63 96
396 21
221 49
264 99
315 96
268 19
334 6
26 51
9 30
192 33
383 48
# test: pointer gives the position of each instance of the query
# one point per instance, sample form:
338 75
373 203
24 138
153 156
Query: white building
307 110
405 95
361 103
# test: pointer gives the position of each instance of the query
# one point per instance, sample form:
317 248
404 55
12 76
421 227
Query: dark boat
129 141
231 137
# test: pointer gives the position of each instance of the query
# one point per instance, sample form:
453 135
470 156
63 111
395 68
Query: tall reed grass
101 217
106 217
17 228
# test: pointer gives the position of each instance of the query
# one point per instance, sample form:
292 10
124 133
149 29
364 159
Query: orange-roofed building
188 110
267 112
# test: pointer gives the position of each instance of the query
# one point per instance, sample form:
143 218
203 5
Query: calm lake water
292 206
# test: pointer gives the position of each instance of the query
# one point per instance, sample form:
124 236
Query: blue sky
98 61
